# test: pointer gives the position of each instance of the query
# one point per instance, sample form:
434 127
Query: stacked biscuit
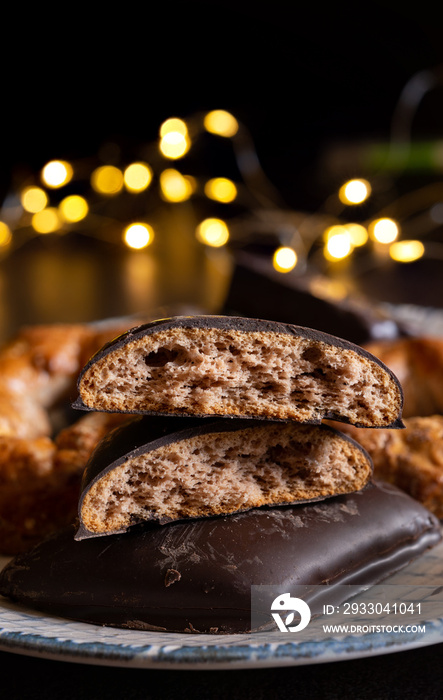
230 419
274 382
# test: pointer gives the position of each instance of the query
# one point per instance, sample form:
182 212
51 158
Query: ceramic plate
24 631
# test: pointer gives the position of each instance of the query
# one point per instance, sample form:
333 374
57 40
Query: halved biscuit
230 366
167 469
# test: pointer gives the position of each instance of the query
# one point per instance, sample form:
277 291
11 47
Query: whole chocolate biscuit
166 469
231 366
197 576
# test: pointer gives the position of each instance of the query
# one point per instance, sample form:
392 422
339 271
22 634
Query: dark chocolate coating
257 289
197 576
145 434
241 324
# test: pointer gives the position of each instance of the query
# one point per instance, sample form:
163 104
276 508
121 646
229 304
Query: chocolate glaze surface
197 576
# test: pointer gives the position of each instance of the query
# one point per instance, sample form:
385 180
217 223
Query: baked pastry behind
418 364
412 458
40 469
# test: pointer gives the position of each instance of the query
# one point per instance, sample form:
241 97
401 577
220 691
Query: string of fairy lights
32 210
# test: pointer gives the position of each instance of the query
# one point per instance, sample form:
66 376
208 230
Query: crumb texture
221 473
230 372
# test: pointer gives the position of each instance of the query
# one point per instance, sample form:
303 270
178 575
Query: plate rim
226 652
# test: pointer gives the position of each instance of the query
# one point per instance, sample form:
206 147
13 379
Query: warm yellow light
406 251
221 123
138 235
57 173
221 190
359 234
173 125
213 232
46 221
174 186
5 235
333 231
107 179
137 177
338 243
33 199
284 259
384 230
174 145
354 191
73 208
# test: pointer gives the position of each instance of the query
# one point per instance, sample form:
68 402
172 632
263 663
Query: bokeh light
57 173
406 251
354 192
221 189
284 259
46 221
174 186
175 142
107 179
137 177
213 232
221 123
338 243
5 235
173 125
138 235
73 208
33 199
174 145
358 233
384 230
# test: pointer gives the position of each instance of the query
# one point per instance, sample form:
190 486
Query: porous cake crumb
245 465
235 367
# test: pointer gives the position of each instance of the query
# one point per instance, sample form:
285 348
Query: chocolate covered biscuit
256 288
197 576
165 469
231 366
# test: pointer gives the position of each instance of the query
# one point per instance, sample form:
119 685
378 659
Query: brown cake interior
221 473
229 372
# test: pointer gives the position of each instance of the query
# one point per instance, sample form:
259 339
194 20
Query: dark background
74 79
302 77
